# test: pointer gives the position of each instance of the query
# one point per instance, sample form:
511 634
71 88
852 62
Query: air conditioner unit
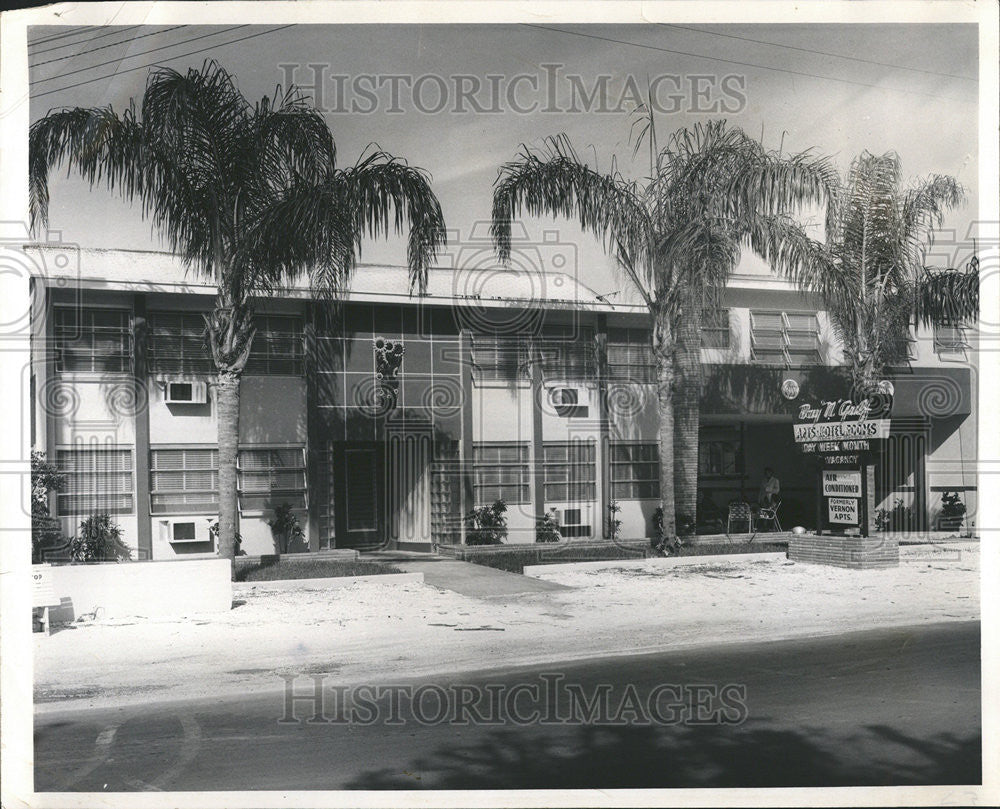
572 524
186 530
569 402
185 391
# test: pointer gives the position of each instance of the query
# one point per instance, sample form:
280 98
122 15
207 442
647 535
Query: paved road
895 706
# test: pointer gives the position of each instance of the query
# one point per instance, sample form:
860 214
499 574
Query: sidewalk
476 581
371 631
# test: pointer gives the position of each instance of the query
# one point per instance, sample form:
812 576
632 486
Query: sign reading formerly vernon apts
840 424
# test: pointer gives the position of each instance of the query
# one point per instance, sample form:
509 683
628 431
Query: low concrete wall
144 589
859 553
332 583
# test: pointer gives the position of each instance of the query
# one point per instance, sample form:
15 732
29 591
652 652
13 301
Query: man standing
769 488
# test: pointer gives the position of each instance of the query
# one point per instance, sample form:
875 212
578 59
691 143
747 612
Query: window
184 481
270 477
635 472
630 355
499 357
715 328
177 343
95 340
98 481
719 456
784 338
567 353
570 471
901 350
278 347
949 338
500 472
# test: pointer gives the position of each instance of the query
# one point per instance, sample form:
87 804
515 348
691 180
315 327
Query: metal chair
740 512
770 514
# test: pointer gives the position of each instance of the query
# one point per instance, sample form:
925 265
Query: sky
834 89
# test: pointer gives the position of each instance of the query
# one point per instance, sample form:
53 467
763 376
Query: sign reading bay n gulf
842 419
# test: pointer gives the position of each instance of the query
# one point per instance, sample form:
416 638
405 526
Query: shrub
213 532
285 527
546 530
952 511
46 530
898 518
487 525
100 540
614 524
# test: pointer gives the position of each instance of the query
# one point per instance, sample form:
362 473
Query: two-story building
528 388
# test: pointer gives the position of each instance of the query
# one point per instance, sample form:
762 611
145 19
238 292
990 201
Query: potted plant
487 525
285 527
952 512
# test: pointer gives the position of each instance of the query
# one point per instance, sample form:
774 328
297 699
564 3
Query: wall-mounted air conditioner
569 402
573 524
185 391
185 529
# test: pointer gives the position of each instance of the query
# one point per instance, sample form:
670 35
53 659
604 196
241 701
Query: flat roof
489 287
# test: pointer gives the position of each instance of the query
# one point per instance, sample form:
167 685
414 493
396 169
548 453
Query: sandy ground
373 631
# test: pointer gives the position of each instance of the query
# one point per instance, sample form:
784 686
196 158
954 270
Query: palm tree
248 195
875 252
677 238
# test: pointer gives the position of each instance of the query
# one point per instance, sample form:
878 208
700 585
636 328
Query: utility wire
80 41
814 51
137 55
128 41
733 61
168 59
63 35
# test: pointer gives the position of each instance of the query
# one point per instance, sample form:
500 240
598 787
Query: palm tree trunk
228 392
687 400
663 351
230 334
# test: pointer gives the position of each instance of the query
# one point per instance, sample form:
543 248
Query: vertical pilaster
604 465
537 439
140 376
315 452
466 451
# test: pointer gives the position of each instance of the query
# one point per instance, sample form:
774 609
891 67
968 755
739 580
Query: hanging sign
842 425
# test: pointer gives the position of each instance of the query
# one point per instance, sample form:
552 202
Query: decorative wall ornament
388 361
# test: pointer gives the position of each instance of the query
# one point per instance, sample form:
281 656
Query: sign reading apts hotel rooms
841 426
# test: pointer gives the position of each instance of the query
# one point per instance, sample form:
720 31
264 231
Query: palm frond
556 182
385 195
101 145
324 248
950 296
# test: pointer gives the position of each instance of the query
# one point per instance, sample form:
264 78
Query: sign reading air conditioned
566 403
186 392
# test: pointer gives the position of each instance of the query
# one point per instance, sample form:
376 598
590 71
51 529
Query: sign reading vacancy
843 510
838 483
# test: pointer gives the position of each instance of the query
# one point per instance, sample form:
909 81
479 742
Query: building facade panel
543 407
